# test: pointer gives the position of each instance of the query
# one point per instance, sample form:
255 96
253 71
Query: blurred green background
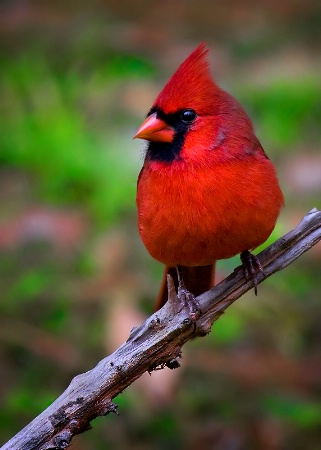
76 80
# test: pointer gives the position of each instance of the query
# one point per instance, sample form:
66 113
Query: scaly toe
251 268
189 301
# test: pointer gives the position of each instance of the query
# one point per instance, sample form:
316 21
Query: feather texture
219 195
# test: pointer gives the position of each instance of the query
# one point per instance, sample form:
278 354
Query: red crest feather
191 86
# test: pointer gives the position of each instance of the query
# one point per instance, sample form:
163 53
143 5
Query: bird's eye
188 115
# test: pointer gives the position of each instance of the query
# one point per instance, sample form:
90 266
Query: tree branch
156 343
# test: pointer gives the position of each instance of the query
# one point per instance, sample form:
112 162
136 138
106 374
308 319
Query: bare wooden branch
156 343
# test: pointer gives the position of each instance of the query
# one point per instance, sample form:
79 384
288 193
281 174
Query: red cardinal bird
207 190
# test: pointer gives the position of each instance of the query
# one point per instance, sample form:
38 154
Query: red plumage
207 190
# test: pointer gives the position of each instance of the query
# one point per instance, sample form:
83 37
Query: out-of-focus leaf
306 414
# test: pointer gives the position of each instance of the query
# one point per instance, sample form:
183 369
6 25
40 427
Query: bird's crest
191 86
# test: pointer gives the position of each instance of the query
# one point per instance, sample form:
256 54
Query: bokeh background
77 79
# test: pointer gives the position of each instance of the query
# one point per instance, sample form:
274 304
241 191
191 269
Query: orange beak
154 129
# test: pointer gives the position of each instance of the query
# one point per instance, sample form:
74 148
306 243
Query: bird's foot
251 267
186 298
189 301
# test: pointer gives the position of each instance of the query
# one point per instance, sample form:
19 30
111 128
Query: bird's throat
165 151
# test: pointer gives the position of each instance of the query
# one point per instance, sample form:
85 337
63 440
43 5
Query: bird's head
181 117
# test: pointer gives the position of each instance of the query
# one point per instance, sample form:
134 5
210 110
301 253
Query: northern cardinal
207 189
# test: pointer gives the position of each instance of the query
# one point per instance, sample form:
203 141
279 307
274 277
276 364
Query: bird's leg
186 297
251 267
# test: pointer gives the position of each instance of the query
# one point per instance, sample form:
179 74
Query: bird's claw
189 301
251 268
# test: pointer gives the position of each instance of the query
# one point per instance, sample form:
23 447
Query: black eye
188 115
